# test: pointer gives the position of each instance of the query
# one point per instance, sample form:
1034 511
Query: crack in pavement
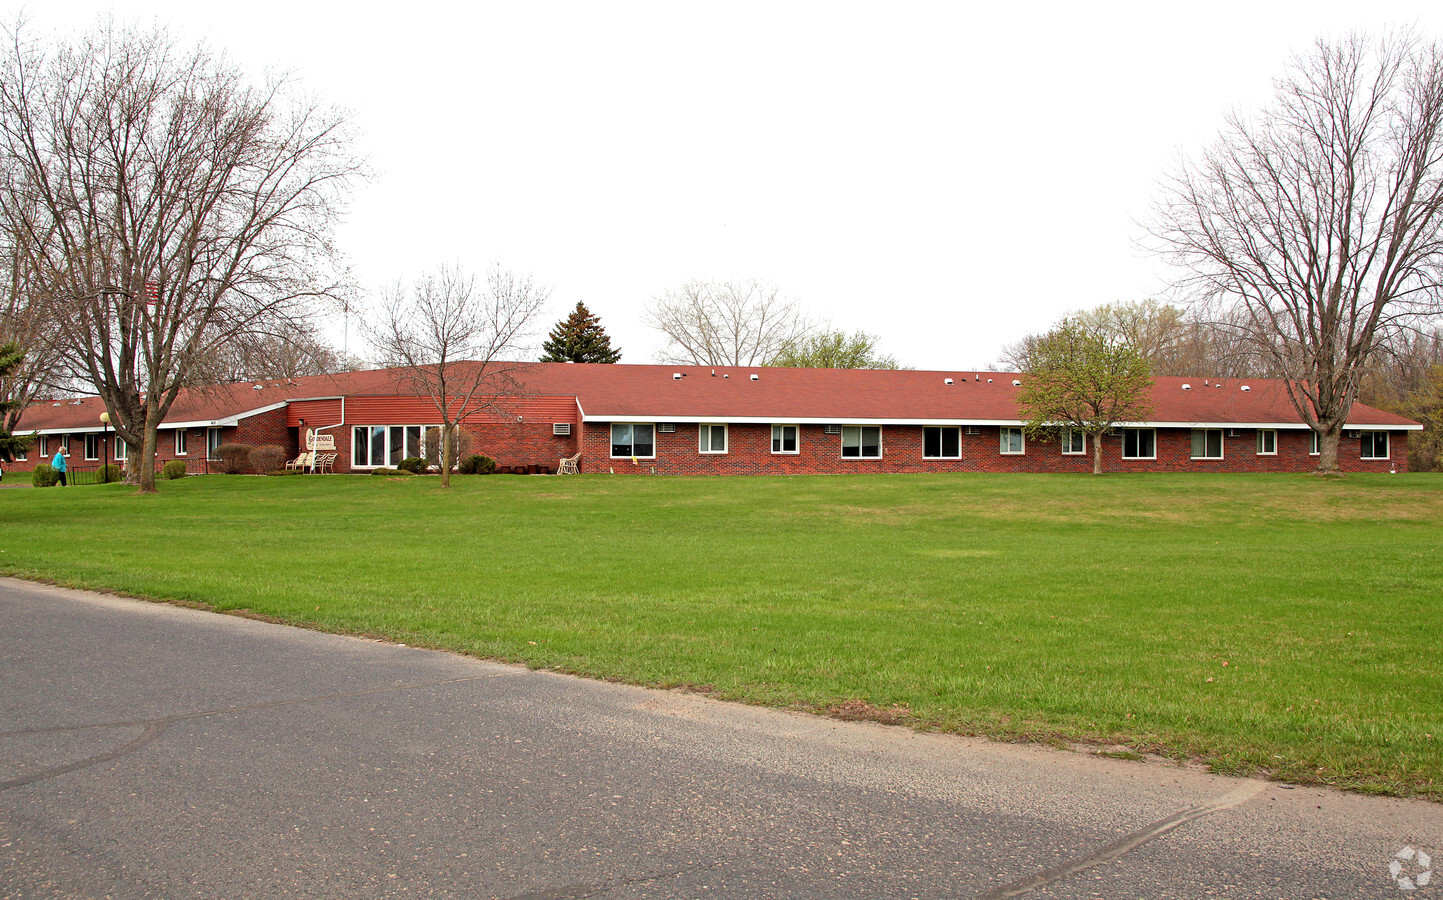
152 729
1125 844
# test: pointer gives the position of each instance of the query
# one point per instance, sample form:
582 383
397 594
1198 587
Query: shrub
391 472
234 458
109 474
286 472
267 457
173 469
44 476
413 464
477 465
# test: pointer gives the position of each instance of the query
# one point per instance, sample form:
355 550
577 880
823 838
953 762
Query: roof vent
676 376
55 404
258 387
946 381
1246 388
1187 387
755 377
989 381
1016 383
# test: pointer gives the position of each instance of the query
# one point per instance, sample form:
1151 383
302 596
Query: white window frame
43 445
92 447
1315 443
1272 438
633 426
779 440
1138 432
1004 442
860 432
1370 437
120 450
1205 432
705 430
388 448
214 437
1067 435
942 441
181 447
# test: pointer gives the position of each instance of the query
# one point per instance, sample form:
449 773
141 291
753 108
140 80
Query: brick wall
749 453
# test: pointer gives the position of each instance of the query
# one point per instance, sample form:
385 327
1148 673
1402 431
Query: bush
234 458
286 472
267 457
44 476
477 465
391 472
109 474
173 469
413 464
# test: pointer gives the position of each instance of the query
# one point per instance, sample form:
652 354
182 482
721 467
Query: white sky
947 177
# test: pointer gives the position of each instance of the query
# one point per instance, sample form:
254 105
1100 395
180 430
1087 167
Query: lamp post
104 434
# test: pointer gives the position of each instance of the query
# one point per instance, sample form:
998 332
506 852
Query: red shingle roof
654 392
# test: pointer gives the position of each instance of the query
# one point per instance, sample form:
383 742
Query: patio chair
569 466
324 462
304 461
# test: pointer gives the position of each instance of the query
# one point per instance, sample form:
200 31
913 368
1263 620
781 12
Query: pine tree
10 446
579 338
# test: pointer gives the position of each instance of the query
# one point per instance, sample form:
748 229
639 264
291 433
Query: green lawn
1280 624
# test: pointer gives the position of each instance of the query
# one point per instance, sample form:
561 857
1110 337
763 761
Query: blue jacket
58 462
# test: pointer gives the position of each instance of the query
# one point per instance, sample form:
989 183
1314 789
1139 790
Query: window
1314 444
44 447
180 442
212 441
1207 443
784 439
633 440
120 449
92 446
861 441
1139 443
1010 441
1375 445
940 442
1267 442
712 438
1074 442
376 446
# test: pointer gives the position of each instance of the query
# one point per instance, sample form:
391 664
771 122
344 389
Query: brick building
692 420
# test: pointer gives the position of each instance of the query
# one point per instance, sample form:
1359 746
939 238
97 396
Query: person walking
58 464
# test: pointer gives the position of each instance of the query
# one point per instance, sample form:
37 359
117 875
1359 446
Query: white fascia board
804 420
305 399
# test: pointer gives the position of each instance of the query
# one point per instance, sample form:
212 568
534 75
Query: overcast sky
947 177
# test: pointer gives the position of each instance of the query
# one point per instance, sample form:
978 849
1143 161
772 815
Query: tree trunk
1097 453
146 474
448 453
1328 439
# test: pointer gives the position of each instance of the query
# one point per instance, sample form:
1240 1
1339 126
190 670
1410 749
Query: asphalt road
153 751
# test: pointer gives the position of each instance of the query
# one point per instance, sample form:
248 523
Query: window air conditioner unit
832 429
974 429
666 428
1352 433
1233 432
561 429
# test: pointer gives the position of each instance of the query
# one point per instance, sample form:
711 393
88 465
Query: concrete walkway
153 751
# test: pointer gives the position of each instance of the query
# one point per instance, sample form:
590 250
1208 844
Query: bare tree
35 332
1319 221
259 356
726 324
457 344
165 207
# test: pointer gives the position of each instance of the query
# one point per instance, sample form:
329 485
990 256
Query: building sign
320 441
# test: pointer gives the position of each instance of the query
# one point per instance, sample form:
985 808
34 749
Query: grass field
1274 624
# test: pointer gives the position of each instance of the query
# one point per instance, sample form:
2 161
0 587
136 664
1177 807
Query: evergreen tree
10 446
579 338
